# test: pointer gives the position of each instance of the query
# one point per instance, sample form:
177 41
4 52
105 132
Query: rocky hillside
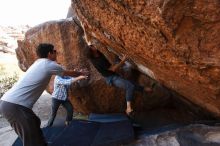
9 36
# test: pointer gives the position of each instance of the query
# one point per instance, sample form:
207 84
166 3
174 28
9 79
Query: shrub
6 81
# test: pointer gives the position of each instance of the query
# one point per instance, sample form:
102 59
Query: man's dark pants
25 123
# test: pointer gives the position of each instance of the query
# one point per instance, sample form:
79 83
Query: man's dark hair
43 50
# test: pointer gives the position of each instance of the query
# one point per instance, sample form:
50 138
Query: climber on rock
112 78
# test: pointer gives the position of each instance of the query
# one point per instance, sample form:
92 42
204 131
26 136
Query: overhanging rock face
92 95
175 42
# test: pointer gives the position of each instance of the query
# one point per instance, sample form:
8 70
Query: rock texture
175 42
192 135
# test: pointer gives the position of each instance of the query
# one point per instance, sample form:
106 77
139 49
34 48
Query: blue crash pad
88 133
50 134
107 117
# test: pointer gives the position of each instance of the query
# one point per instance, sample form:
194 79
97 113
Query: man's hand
83 71
124 58
76 72
82 77
115 67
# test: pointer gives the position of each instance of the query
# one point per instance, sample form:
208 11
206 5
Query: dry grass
9 72
8 64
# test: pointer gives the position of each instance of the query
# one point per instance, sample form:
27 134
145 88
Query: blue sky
32 12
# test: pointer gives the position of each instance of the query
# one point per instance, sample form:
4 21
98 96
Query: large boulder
93 95
175 42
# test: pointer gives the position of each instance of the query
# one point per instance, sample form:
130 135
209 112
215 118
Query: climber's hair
44 49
